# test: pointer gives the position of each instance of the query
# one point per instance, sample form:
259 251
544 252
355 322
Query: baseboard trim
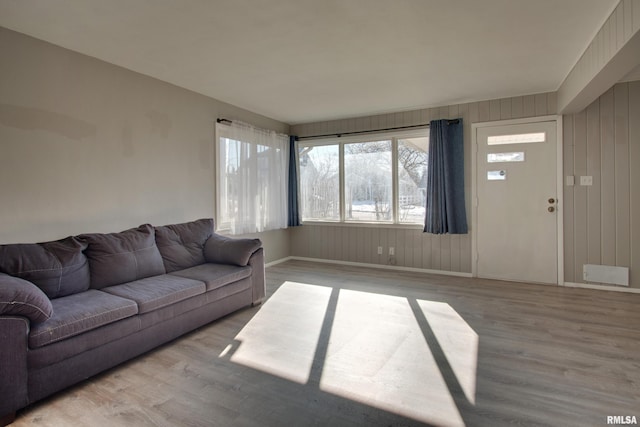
441 272
379 266
278 261
602 287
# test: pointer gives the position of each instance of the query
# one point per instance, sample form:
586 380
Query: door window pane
524 138
497 175
505 157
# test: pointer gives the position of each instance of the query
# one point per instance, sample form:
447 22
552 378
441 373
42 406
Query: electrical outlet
379 250
586 180
392 251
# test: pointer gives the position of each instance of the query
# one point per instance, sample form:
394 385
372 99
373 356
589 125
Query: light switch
570 180
586 180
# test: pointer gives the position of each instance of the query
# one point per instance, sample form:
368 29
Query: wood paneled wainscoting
603 141
337 345
359 244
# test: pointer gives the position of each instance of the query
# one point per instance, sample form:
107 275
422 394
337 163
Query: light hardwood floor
336 345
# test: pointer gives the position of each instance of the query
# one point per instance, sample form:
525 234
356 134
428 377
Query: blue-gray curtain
445 211
293 214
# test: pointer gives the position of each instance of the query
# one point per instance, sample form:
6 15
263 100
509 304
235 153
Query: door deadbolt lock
552 200
551 209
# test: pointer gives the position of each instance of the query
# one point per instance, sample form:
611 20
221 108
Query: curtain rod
360 132
229 122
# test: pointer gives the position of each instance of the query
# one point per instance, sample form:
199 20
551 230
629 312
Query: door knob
551 209
552 200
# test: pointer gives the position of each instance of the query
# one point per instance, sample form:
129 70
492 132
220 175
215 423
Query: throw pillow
19 297
227 250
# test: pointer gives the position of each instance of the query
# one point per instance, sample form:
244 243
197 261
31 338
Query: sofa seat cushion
78 313
56 352
215 275
156 292
230 289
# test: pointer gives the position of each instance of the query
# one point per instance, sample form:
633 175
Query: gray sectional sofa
72 308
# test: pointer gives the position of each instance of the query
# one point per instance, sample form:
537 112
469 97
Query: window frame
341 142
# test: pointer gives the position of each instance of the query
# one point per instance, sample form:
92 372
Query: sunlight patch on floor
458 341
378 356
377 353
282 337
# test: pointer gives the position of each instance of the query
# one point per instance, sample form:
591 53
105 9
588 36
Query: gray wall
86 146
413 248
602 222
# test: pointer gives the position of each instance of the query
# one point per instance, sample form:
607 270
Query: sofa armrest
227 250
14 333
19 297
256 261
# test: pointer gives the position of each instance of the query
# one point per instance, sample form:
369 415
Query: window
505 157
525 138
367 171
320 182
251 182
373 180
497 175
412 174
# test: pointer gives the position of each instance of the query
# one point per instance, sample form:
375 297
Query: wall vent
605 274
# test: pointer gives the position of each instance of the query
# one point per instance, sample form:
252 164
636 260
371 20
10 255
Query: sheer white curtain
252 178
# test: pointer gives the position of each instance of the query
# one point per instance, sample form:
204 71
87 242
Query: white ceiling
309 60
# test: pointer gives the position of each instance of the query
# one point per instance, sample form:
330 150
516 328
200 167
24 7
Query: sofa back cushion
59 268
182 245
116 258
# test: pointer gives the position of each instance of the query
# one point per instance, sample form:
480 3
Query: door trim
559 187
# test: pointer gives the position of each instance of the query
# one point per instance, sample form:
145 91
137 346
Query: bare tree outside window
368 192
368 181
320 182
412 176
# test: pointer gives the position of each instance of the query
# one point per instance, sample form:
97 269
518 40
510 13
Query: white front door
517 206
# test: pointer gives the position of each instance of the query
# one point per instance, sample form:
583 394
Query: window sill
363 224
